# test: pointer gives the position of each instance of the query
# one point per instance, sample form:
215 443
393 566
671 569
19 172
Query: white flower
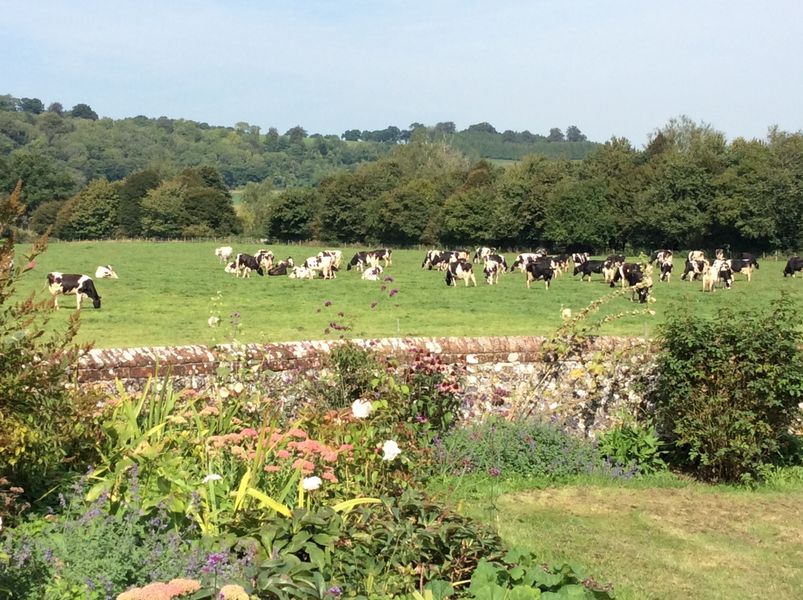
212 477
361 408
311 483
390 450
213 321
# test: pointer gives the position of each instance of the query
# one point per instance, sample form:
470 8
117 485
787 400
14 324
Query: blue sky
620 68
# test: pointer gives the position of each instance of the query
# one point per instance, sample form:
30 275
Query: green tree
573 134
57 108
83 111
163 211
42 178
132 190
291 216
576 218
33 106
255 209
555 135
91 214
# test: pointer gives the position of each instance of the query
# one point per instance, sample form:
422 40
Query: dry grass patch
693 542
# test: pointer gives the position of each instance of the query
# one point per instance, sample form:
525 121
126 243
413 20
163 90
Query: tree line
688 188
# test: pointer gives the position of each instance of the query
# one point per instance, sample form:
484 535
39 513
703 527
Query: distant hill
64 149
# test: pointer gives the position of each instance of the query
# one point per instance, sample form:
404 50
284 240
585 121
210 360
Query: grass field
167 291
664 537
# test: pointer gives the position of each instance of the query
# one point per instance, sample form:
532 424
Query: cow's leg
78 298
56 301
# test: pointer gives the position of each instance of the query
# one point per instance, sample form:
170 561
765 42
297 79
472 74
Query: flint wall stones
502 374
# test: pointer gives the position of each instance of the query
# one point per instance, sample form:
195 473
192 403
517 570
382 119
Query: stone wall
503 374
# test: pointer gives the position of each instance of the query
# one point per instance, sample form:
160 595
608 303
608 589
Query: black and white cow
579 258
265 258
245 263
523 259
588 267
460 269
539 269
105 272
628 274
611 266
492 267
481 252
694 269
696 255
335 255
373 274
744 266
430 258
793 266
666 269
69 283
659 256
282 267
383 254
359 261
442 261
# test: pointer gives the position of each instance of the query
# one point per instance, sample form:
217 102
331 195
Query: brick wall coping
107 364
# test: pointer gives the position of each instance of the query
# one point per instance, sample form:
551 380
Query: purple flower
213 561
390 279
393 292
327 303
494 471
335 590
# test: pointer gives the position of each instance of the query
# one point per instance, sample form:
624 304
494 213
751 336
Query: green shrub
727 389
633 443
45 427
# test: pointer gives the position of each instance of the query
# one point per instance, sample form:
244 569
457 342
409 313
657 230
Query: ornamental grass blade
269 502
347 505
242 490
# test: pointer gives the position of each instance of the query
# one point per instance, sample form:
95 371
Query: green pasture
167 291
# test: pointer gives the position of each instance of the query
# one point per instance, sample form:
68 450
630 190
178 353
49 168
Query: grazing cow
224 253
245 263
695 269
628 273
281 267
743 265
460 269
666 269
335 255
359 261
105 272
301 273
430 258
482 252
383 254
793 265
659 256
373 274
718 271
231 268
539 269
492 268
588 267
80 285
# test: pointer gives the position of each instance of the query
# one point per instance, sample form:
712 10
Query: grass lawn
675 540
167 291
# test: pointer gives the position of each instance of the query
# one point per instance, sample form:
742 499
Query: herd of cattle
458 265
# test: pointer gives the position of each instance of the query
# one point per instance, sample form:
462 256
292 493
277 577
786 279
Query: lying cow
80 285
301 273
224 253
373 274
460 269
281 267
105 272
539 269
793 266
